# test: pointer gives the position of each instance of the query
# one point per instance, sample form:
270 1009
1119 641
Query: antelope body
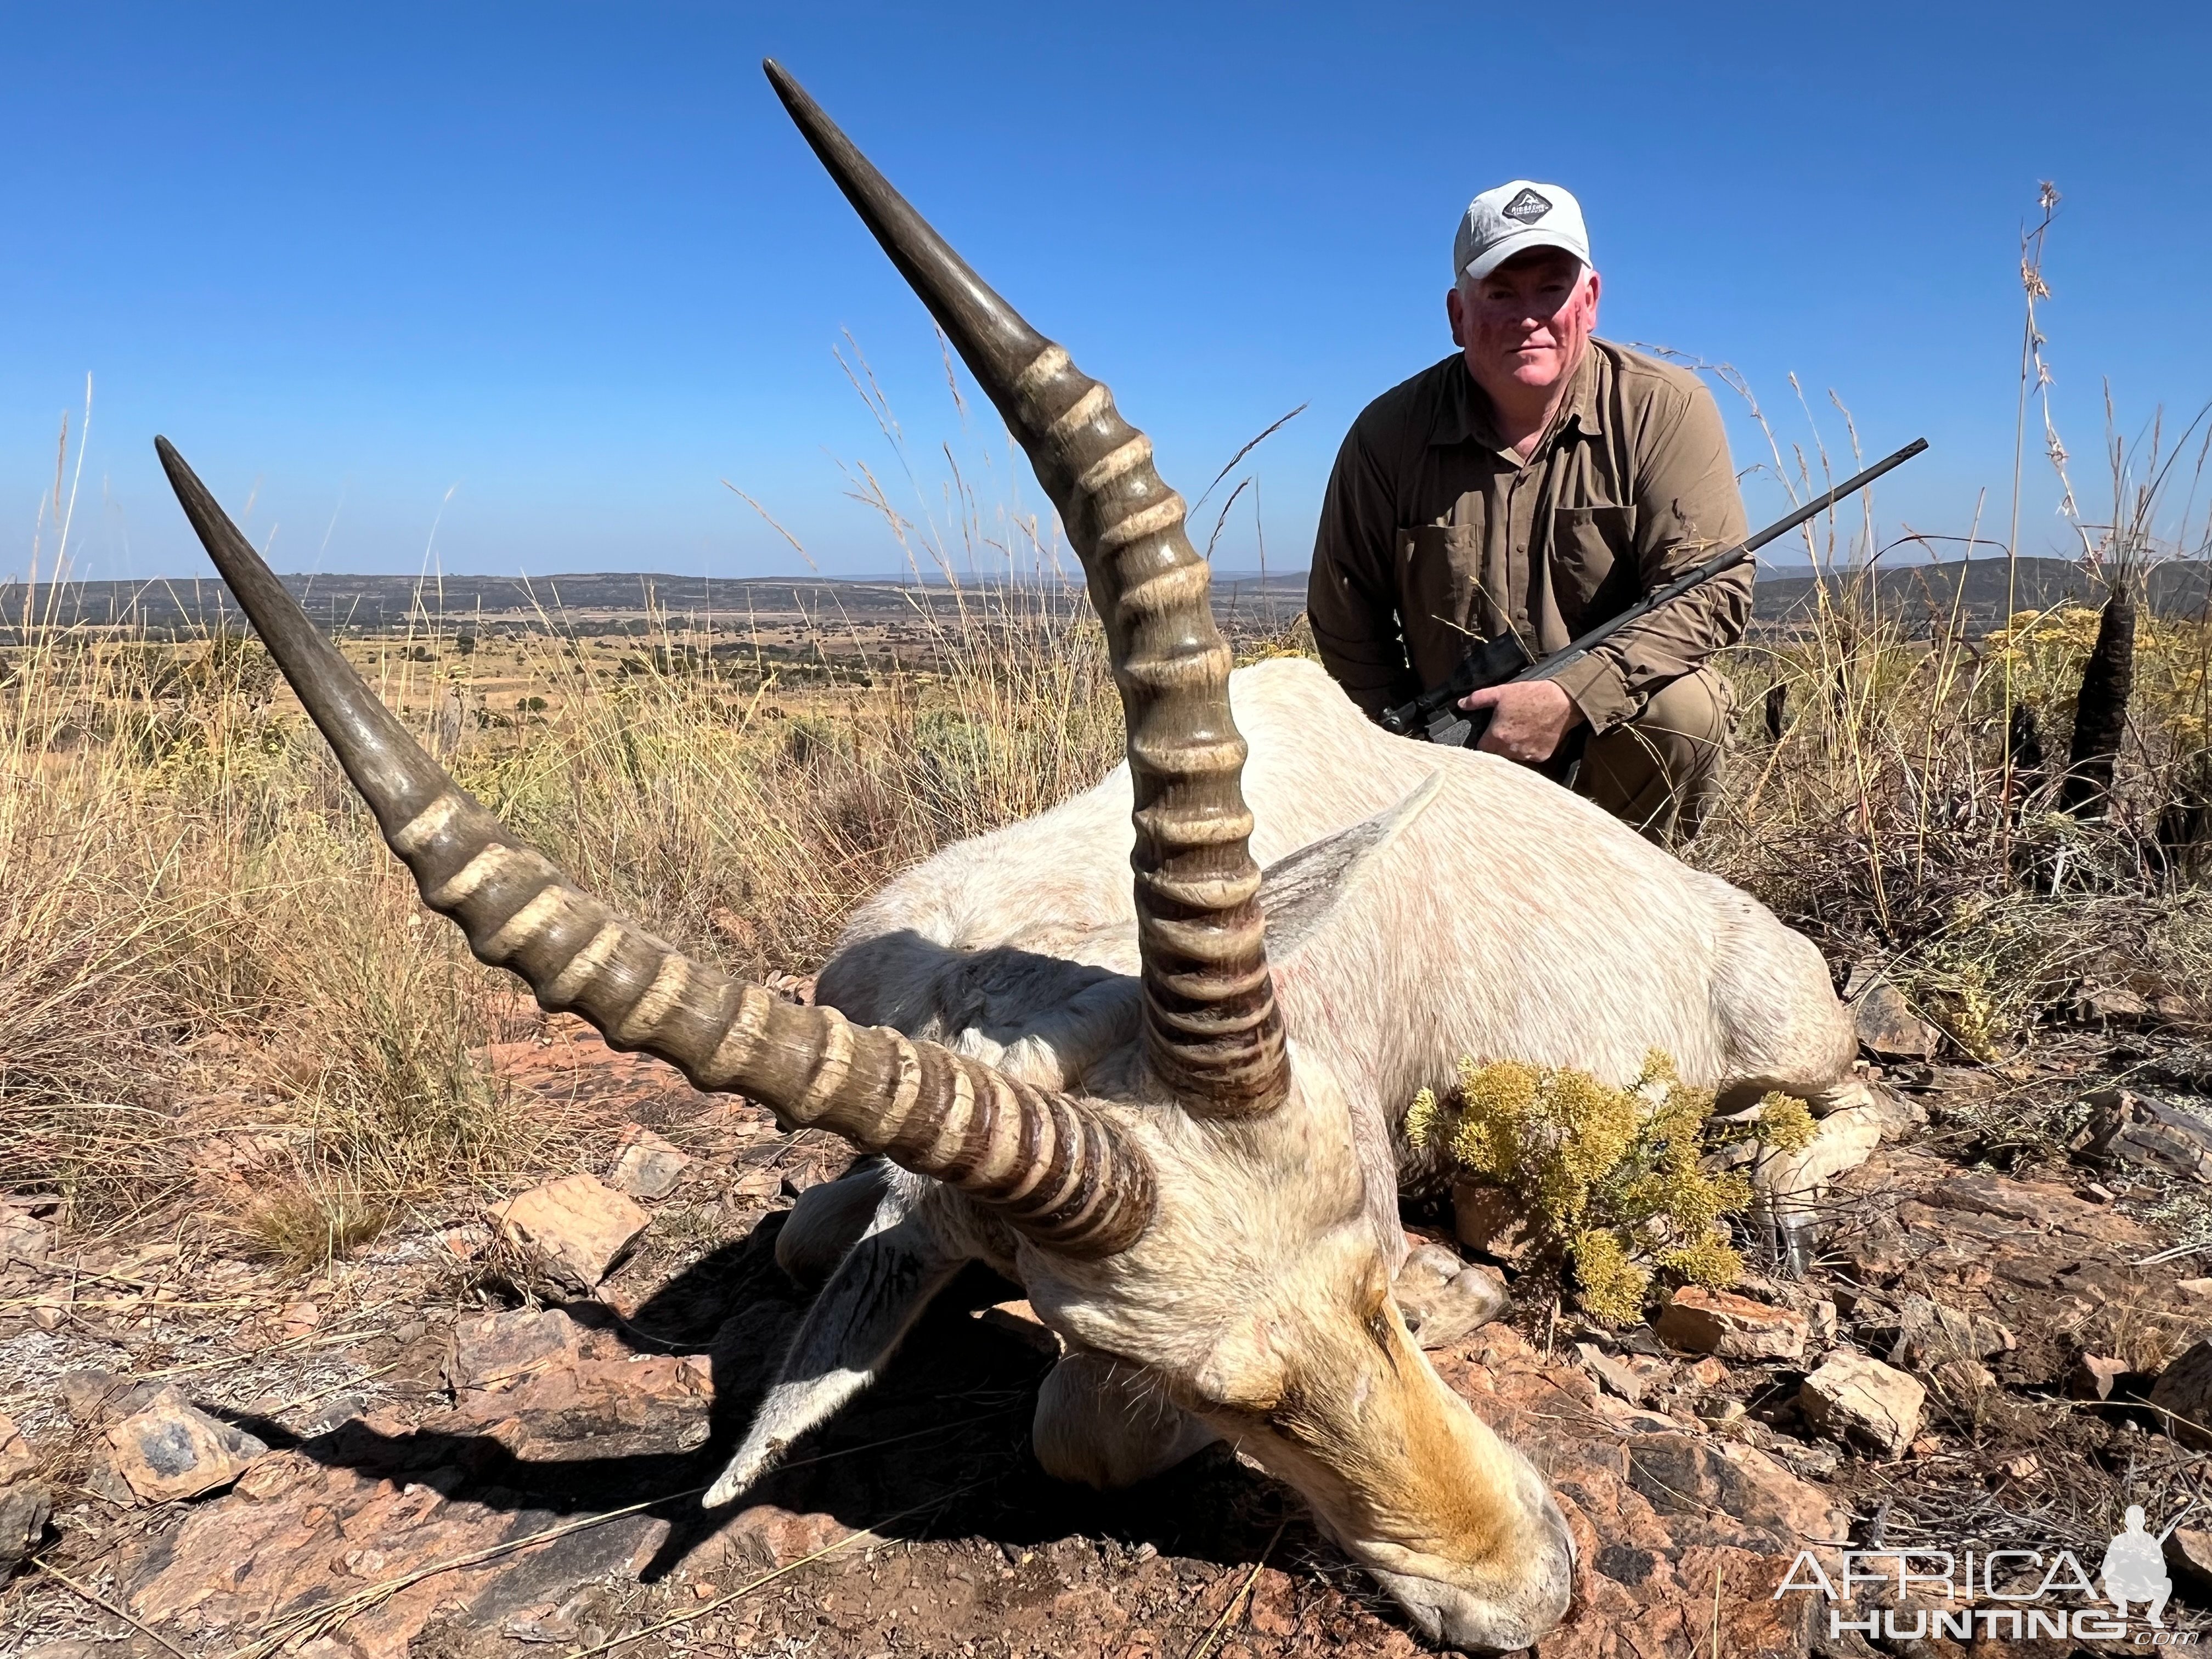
1499 915
1167 1107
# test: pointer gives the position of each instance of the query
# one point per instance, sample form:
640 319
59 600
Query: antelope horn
1213 1033
1055 1168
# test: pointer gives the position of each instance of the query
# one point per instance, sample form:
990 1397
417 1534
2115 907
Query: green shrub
1613 1179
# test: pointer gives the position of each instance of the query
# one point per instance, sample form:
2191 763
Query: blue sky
537 278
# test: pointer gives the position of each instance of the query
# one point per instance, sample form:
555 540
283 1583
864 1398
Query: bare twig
1219 1627
106 1606
1272 428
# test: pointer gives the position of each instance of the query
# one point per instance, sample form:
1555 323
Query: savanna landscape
355 1306
263 1114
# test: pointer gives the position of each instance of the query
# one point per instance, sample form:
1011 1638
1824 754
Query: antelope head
1198 1216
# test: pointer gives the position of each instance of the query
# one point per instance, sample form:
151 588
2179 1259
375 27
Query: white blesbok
1166 1110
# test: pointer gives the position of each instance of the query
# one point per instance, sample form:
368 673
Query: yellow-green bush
2044 651
1614 1179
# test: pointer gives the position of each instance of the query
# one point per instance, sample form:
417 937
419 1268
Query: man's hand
1528 720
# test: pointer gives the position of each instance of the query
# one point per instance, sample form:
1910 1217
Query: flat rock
499 1350
92 1395
578 1226
2126 1128
593 1392
647 1166
1731 1327
1491 1220
16 1457
297 1535
1662 1515
1930 1332
171 1449
25 1508
2113 1007
1987 1194
1442 1297
2182 1396
24 1239
1887 1027
1860 1401
1618 1374
372 1499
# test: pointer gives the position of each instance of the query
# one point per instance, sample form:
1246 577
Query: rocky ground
486 1435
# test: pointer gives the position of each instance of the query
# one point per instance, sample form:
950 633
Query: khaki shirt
1433 531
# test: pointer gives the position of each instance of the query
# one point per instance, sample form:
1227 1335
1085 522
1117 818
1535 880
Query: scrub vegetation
1618 1182
207 956
194 908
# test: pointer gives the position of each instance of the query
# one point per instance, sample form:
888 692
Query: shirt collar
1463 412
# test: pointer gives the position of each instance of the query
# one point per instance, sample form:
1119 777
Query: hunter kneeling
1539 481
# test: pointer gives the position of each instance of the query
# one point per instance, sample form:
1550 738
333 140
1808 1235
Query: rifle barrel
1850 486
1726 560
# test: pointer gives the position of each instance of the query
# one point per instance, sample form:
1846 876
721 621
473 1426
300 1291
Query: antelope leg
828 1220
1102 1422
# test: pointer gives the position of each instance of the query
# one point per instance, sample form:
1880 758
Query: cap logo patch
1528 207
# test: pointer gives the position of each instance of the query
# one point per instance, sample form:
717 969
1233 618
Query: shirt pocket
1439 575
1593 568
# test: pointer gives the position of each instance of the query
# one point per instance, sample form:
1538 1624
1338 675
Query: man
1540 480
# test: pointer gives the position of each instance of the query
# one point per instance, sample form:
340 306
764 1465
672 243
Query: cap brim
1520 242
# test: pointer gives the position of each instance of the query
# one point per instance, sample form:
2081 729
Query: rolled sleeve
1599 690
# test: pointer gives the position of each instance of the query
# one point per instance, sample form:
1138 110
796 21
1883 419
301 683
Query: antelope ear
1301 891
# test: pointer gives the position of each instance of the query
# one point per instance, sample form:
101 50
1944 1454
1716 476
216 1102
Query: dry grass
1910 810
1890 821
309 1225
198 923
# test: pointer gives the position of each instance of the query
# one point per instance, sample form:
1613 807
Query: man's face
1524 325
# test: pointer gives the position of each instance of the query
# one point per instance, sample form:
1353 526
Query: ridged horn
1054 1167
1213 1033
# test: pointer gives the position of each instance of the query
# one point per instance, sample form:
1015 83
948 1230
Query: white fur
1510 920
1464 907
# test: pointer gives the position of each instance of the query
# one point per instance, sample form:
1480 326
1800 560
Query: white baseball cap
1512 219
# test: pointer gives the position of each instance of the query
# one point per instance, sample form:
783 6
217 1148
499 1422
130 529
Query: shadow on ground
938 1448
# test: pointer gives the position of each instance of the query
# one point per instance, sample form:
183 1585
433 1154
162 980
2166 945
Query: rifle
1435 716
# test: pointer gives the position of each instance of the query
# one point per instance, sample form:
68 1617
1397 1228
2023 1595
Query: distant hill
381 602
1921 593
1926 593
387 602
